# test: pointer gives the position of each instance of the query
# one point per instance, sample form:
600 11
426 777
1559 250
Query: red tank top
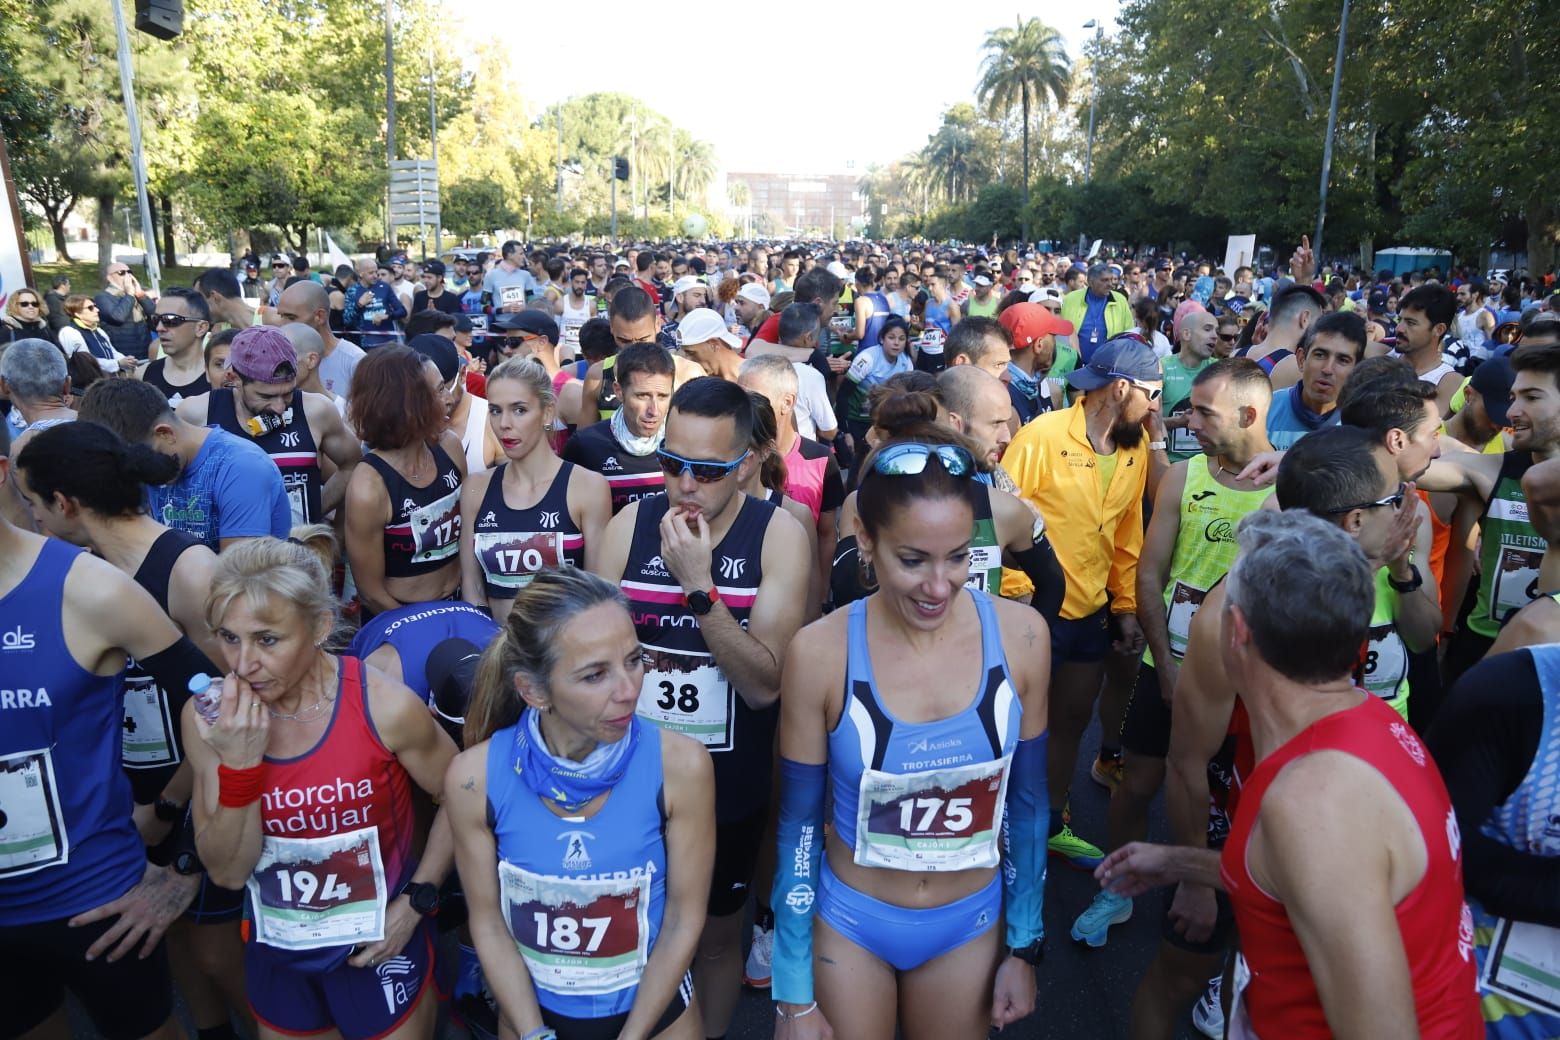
1437 930
348 782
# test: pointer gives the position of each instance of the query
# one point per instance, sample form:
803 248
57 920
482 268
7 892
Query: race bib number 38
309 893
32 827
687 693
935 820
577 936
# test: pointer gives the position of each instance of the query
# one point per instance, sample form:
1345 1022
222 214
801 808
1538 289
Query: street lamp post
1094 90
528 218
1332 125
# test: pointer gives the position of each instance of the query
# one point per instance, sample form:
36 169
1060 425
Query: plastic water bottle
208 697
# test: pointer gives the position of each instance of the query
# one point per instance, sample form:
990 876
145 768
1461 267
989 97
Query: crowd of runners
553 643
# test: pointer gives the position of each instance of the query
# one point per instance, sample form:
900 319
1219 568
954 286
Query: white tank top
572 319
1468 330
473 439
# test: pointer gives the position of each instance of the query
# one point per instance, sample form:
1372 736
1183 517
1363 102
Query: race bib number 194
309 893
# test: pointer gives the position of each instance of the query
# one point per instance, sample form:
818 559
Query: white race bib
983 560
510 559
1386 661
148 726
1184 601
687 693
32 826
297 488
309 893
436 528
1515 581
933 820
578 937
511 296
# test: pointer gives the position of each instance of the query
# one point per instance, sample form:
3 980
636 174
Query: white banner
1239 253
13 275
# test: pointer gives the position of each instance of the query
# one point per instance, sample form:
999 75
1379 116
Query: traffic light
620 168
163 19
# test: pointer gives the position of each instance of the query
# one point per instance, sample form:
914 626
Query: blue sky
710 73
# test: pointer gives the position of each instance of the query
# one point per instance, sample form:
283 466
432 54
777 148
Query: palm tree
695 169
1023 66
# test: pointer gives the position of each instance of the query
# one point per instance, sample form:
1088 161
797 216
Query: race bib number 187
578 936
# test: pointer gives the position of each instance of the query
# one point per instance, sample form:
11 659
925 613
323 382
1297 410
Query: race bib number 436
577 936
935 820
309 893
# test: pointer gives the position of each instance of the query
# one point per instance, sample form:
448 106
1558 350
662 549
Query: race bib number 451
934 820
309 893
577 936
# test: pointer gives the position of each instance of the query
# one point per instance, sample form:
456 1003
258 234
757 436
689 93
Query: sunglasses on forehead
911 459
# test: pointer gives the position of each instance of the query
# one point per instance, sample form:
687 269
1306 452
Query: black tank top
153 374
423 533
684 690
290 445
512 545
151 749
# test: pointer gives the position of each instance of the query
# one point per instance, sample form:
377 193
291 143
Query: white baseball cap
685 283
702 325
755 292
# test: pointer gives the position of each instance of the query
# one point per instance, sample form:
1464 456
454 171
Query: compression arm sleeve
800 855
1040 566
1026 822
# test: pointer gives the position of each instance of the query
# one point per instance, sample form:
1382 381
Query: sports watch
700 602
1032 954
423 895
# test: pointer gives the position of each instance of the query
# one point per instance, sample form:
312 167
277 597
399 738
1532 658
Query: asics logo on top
731 569
17 639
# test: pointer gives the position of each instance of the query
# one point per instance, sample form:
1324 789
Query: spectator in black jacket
122 309
23 317
54 303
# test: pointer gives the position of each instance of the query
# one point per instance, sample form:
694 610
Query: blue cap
1125 357
1493 379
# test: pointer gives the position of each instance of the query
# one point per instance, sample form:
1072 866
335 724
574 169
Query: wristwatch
1156 445
423 895
1412 584
1032 954
700 602
168 812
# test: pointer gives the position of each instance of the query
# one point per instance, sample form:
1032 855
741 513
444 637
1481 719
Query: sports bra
423 533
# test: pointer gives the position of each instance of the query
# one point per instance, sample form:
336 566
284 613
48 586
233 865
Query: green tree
1023 66
477 207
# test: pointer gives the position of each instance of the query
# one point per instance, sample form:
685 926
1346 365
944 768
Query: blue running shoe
1107 909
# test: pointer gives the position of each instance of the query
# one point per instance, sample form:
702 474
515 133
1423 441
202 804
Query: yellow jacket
1118 315
1097 535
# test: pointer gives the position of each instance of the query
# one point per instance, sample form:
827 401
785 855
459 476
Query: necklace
308 714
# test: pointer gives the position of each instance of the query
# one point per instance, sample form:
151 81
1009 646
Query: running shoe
1106 772
1074 850
759 967
1107 909
1208 1014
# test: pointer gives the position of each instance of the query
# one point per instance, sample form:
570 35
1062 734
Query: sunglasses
1394 500
704 471
89 306
1229 337
172 321
1152 392
116 274
910 459
27 303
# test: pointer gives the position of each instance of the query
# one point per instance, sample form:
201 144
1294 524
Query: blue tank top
923 795
684 689
415 629
1526 821
937 314
67 843
881 312
582 896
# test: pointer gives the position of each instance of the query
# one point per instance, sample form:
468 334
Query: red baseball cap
1027 322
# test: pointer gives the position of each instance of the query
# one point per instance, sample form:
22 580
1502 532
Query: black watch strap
168 812
1411 585
423 896
1032 954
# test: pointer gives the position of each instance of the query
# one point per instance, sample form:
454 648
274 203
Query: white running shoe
1208 1014
758 970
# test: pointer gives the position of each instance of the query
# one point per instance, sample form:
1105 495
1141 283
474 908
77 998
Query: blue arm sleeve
1023 871
800 855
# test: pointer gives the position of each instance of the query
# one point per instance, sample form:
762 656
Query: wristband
239 788
544 1033
1156 445
809 1009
